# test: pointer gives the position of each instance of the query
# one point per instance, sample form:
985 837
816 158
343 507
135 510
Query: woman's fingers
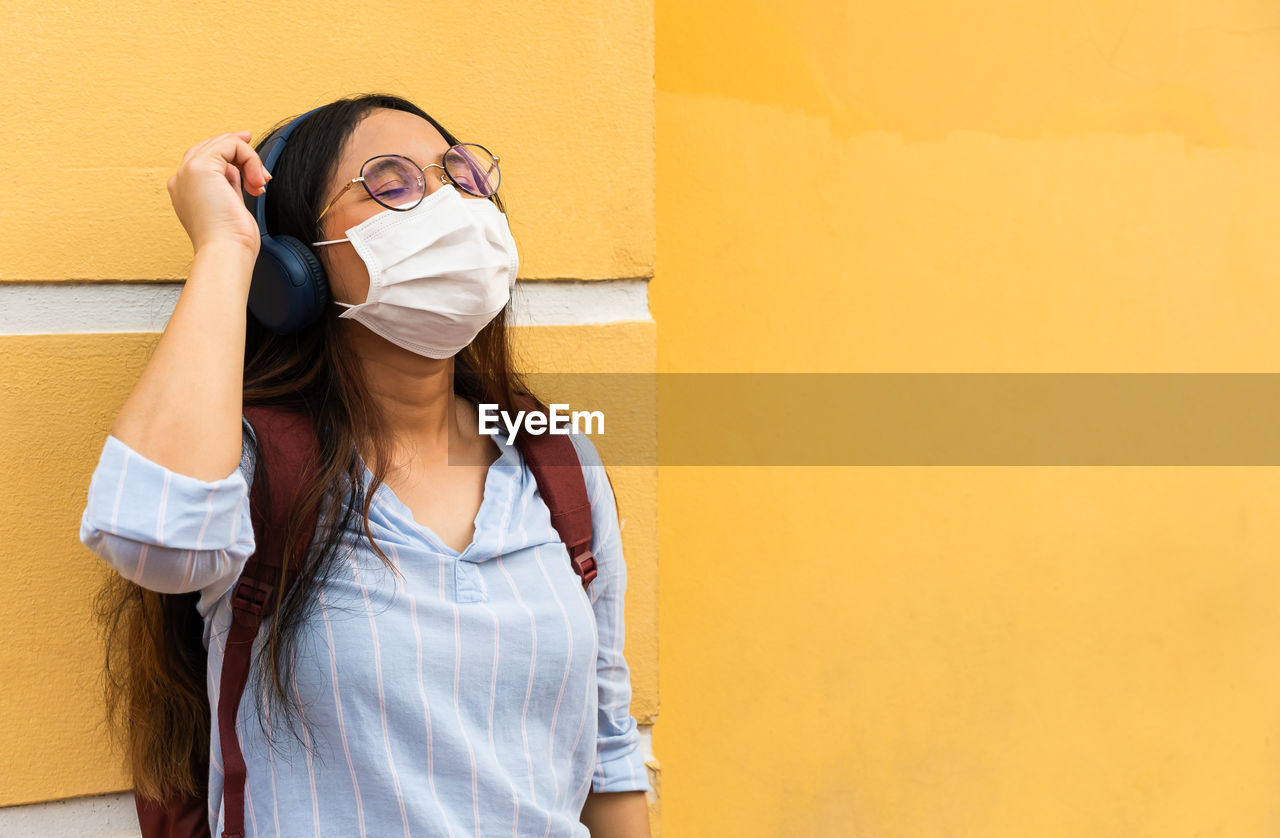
207 208
233 176
233 147
243 157
201 146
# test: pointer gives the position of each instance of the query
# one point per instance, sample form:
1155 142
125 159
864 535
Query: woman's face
383 131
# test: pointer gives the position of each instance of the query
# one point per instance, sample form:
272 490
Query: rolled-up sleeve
620 759
167 531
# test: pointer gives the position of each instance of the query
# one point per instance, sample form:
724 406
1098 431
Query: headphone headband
270 154
289 289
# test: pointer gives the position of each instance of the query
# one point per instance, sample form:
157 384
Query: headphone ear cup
289 289
317 281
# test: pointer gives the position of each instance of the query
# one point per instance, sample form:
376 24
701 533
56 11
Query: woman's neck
414 396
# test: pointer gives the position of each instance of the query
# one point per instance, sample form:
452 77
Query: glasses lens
473 169
394 181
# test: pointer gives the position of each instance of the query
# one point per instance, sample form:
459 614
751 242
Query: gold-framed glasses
398 183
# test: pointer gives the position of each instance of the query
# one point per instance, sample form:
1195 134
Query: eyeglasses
398 183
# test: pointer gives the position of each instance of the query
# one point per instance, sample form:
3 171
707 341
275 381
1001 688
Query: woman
451 676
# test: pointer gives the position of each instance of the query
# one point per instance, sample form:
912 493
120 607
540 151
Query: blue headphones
289 289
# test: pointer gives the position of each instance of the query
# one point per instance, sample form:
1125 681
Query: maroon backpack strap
558 472
290 459
177 817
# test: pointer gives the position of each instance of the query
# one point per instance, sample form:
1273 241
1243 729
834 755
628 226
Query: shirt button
470 587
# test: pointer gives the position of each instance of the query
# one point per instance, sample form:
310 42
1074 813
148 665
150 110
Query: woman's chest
445 499
524 634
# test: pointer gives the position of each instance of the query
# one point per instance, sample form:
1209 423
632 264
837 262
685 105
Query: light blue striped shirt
483 694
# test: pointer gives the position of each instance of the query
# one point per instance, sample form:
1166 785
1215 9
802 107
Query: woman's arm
617 814
168 506
184 412
166 531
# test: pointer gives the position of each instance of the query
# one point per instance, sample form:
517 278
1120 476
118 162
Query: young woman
450 674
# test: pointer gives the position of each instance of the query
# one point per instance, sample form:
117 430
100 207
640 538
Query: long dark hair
156 696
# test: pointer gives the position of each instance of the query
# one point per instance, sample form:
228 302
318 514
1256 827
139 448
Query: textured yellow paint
1196 68
974 652
102 100
979 252
60 397
969 187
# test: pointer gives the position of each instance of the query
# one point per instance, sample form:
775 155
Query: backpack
290 452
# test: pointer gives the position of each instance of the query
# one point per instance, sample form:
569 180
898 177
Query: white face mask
438 273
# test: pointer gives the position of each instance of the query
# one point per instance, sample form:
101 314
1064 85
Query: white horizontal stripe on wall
577 302
40 308
115 815
100 816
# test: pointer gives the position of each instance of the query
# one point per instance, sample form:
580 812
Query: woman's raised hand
205 191
185 410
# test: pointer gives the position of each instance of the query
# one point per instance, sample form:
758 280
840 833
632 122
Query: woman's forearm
617 814
184 411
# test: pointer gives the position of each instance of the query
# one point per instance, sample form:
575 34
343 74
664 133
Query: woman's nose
434 182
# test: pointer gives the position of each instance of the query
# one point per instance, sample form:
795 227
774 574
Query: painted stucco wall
860 187
969 187
102 100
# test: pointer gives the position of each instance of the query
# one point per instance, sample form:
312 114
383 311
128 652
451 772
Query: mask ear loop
347 306
331 299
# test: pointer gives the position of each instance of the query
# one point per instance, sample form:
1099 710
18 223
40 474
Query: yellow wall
845 186
968 187
109 96
102 100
